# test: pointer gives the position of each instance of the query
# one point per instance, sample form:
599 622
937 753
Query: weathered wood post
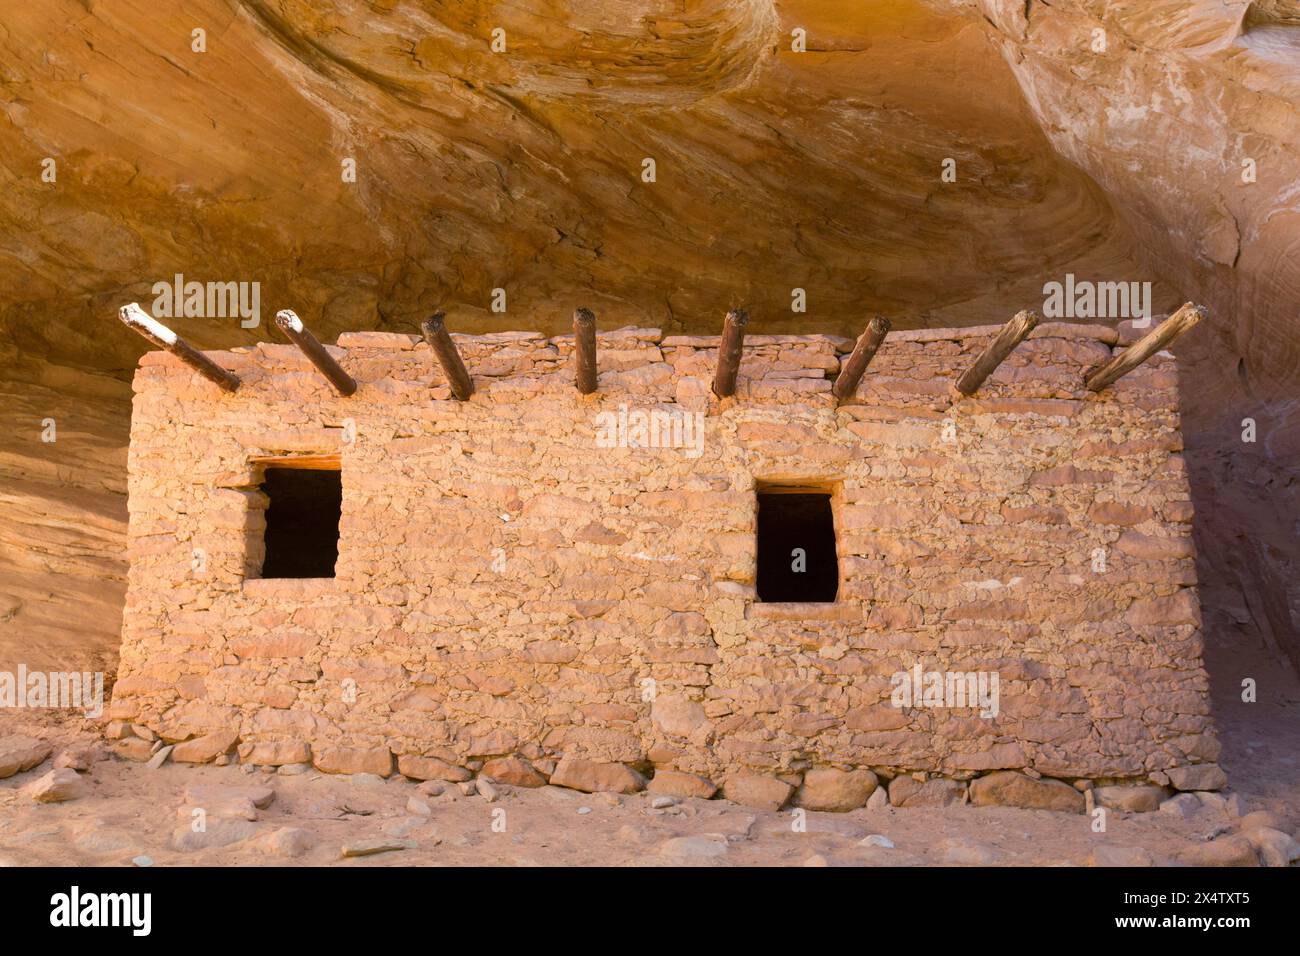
1012 334
137 319
846 383
1158 338
301 336
730 348
584 352
435 333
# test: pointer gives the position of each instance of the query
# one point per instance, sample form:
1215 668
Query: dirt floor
129 811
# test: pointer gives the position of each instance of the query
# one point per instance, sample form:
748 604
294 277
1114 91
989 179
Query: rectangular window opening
796 545
302 521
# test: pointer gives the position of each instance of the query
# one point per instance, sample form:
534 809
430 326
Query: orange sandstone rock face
538 583
523 168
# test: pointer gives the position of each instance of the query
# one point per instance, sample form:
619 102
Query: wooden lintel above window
325 462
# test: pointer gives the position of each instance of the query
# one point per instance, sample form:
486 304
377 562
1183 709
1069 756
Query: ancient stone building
397 580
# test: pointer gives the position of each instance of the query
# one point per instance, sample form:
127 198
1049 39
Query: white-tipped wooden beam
1012 334
730 349
1158 338
301 336
435 332
137 319
846 383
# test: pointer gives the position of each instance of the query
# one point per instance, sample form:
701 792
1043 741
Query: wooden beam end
434 324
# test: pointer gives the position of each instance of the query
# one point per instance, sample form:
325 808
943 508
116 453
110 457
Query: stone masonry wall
507 588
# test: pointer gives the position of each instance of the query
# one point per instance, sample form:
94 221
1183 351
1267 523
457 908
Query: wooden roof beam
846 383
301 336
435 332
584 350
730 349
136 319
1003 344
1158 338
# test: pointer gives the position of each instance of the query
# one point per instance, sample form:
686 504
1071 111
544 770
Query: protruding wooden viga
584 350
301 336
730 348
439 339
150 328
1012 334
846 383
1158 338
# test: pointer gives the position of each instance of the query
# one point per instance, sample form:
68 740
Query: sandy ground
130 810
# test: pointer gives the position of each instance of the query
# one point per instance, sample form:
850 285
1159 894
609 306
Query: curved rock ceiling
522 170
774 169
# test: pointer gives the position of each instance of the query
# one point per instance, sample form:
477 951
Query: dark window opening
796 547
302 522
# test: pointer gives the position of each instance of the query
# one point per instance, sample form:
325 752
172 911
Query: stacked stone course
511 595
